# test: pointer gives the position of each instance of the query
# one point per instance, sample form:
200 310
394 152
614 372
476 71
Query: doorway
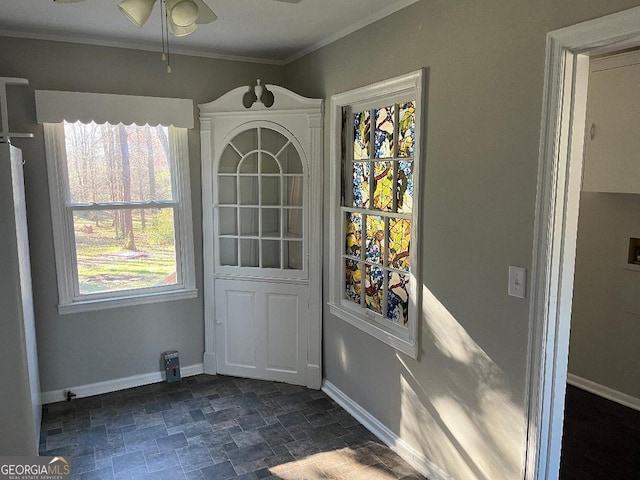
559 183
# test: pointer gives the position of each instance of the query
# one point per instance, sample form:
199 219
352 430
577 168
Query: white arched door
262 287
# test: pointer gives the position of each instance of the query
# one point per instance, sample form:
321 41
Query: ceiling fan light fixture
137 11
180 31
183 13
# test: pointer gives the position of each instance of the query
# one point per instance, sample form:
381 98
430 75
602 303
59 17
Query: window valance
56 106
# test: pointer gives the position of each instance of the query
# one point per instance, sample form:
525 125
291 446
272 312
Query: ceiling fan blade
205 14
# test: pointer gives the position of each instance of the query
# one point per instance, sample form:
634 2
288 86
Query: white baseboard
117 384
604 392
402 448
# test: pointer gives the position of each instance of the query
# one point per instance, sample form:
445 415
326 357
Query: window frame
69 298
402 88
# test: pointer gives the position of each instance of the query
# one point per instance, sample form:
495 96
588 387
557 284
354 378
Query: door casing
556 224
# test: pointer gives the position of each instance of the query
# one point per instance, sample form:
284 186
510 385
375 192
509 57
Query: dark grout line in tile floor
216 427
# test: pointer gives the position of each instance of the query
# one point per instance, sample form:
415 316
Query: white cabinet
20 408
262 214
612 141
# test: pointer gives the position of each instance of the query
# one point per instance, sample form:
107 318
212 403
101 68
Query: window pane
269 164
399 243
228 221
373 288
246 141
271 222
249 190
292 255
353 245
290 160
398 298
271 253
249 221
384 132
229 160
293 192
361 136
124 249
405 187
249 253
249 164
292 222
272 141
116 163
361 184
270 190
353 281
375 239
406 129
229 251
383 186
227 188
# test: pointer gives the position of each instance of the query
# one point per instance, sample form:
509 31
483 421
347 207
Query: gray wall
462 402
93 347
605 324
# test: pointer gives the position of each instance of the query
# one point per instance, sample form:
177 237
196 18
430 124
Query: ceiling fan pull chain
166 26
162 6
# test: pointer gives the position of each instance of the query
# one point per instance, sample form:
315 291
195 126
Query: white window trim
405 86
69 301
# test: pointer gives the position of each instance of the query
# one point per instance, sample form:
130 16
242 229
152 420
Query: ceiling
259 30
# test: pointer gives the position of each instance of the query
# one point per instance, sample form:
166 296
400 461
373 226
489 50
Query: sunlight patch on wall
464 401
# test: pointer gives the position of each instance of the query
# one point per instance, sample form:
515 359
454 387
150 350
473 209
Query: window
121 213
375 167
260 211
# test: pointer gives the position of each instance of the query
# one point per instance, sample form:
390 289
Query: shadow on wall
464 395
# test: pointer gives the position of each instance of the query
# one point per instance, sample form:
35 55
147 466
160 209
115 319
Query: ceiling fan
182 16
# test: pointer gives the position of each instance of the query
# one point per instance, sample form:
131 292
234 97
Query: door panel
282 332
262 330
240 328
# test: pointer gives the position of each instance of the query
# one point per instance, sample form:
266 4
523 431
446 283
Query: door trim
556 222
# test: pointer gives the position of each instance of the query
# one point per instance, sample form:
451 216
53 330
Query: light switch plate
517 282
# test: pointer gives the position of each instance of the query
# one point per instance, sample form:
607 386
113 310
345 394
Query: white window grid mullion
380 213
394 163
124 205
385 265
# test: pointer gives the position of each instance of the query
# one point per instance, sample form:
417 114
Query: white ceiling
262 30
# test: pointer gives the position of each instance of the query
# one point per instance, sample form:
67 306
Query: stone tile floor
216 427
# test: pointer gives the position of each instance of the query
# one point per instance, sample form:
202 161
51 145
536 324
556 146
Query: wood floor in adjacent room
601 439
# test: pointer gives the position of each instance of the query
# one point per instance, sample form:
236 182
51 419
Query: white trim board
409 454
555 228
604 392
117 384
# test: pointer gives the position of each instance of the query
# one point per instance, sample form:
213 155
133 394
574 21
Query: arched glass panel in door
260 202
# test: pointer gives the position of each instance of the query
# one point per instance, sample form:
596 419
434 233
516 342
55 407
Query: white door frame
556 224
